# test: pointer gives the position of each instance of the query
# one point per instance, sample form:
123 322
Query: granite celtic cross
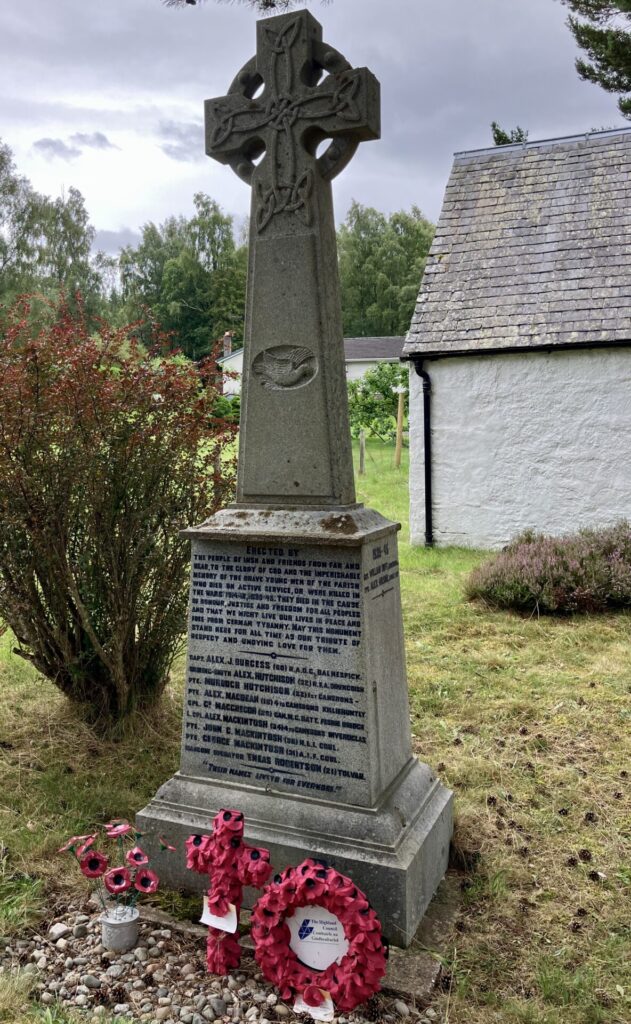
296 92
296 708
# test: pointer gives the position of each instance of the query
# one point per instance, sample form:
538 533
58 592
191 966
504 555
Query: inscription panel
275 692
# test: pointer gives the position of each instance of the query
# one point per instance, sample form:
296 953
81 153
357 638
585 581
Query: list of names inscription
274 693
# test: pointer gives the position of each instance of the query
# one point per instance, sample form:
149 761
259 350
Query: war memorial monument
296 703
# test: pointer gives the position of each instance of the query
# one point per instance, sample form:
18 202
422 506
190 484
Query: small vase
119 928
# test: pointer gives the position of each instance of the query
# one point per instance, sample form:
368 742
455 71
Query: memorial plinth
296 707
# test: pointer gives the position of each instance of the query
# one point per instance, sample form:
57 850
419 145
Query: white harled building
520 393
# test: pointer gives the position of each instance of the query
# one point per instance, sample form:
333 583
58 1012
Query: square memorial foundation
296 708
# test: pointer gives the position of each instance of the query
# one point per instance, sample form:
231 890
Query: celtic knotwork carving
295 111
343 102
282 42
224 127
285 198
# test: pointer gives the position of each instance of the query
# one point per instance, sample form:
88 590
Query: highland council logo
306 929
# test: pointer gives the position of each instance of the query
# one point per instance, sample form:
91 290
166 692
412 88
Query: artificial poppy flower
164 845
223 952
218 905
88 841
312 888
223 857
93 864
344 889
72 843
256 866
313 996
272 899
117 828
228 821
146 880
136 857
199 850
117 880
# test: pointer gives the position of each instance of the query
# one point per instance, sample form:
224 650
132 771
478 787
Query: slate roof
373 348
532 249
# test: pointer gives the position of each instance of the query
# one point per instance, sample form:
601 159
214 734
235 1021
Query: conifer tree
502 138
602 28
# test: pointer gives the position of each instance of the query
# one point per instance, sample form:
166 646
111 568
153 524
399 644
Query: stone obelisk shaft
295 445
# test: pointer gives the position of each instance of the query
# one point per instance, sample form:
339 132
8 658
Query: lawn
526 719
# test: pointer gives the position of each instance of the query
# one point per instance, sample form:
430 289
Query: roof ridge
535 143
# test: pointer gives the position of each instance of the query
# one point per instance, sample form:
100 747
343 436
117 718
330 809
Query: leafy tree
45 244
602 28
381 264
15 198
190 275
502 138
372 402
105 454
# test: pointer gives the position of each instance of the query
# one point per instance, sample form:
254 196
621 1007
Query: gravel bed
164 979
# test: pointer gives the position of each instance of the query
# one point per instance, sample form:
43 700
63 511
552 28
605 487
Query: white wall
232 385
534 440
357 368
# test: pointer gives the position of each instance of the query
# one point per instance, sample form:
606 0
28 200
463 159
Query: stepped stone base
296 708
396 852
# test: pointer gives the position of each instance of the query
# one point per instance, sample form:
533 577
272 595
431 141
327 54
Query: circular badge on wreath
341 919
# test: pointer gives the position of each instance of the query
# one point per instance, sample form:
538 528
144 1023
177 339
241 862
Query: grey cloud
183 142
56 148
74 147
95 140
26 110
447 70
111 241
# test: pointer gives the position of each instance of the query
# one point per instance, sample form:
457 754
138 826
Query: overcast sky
107 95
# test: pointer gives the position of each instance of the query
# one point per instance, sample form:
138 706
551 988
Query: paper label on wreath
317 937
326 1010
227 923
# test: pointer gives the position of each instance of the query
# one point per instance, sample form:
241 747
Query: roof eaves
412 355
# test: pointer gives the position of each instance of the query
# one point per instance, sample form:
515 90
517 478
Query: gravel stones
90 981
162 981
218 1006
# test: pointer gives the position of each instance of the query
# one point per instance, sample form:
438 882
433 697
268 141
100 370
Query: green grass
528 720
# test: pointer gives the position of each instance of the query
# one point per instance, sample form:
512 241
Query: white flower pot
119 928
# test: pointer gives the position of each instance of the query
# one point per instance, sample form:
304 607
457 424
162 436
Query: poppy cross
230 864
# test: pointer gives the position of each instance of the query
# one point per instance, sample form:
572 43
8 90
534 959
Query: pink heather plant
589 571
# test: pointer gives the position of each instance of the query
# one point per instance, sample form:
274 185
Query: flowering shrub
588 571
106 453
127 881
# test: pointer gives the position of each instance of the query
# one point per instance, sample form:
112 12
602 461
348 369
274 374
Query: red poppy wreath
358 974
